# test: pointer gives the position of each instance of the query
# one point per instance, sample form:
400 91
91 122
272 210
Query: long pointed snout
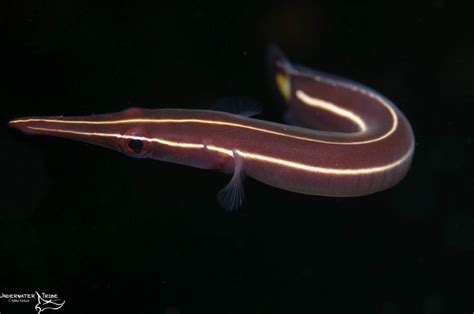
30 125
55 126
84 129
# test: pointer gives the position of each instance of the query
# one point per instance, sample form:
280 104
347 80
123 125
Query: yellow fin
284 85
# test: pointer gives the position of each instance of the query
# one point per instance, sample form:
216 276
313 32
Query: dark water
112 234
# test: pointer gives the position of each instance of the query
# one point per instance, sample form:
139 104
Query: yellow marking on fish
284 85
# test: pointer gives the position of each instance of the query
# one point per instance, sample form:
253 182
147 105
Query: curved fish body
350 140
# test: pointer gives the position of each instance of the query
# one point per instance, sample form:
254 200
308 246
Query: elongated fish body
350 140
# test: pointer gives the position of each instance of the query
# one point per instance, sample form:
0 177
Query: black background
113 234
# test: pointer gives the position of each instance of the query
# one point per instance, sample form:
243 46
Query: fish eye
135 146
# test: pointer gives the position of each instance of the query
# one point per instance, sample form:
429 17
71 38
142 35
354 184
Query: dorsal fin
276 58
239 105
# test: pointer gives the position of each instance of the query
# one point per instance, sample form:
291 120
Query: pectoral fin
232 196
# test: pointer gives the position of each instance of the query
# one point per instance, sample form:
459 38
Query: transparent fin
232 196
276 57
243 106
289 120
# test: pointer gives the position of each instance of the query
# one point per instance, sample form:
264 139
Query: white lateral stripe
333 171
220 150
328 106
131 137
309 168
356 88
309 100
247 155
202 121
379 99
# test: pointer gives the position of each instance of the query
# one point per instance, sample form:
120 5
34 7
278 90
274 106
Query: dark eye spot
136 146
